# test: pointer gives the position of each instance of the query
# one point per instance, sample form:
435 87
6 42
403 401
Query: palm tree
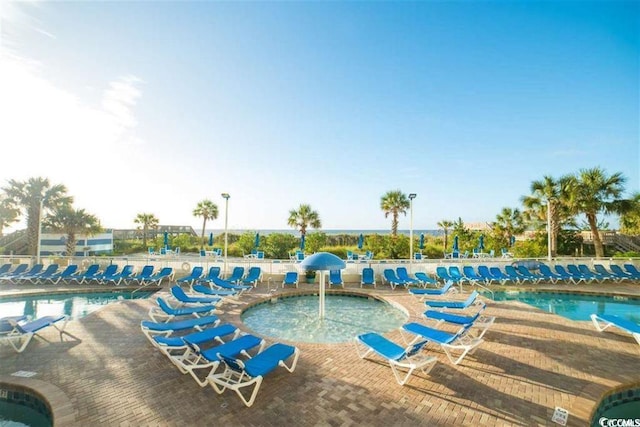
72 222
304 218
146 221
208 211
445 224
509 222
34 195
394 203
8 213
549 196
594 192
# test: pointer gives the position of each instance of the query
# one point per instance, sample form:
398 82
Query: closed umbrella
166 240
210 239
455 244
481 243
256 243
421 245
302 242
360 241
513 240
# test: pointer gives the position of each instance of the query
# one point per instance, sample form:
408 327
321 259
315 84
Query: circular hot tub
22 407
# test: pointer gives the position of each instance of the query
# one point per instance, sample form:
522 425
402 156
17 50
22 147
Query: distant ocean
416 232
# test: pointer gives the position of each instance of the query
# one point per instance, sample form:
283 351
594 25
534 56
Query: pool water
576 306
20 408
296 318
73 305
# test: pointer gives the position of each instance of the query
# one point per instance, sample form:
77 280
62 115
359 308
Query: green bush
630 254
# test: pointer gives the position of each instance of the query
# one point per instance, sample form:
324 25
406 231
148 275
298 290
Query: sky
153 106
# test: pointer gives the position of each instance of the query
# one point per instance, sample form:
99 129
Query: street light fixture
39 245
549 230
411 197
226 196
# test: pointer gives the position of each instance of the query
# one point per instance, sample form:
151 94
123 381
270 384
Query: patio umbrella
512 241
256 243
210 239
321 262
421 245
302 242
481 243
455 244
166 239
360 241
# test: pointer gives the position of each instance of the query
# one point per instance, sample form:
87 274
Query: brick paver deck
530 363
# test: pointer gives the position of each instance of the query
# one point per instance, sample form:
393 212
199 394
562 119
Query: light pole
411 197
226 196
39 245
549 230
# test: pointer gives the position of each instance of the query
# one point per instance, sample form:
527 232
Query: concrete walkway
104 372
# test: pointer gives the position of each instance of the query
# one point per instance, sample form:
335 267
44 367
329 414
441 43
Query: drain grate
24 374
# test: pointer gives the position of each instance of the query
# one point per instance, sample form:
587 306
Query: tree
208 211
394 203
630 220
32 196
8 213
509 222
594 192
72 223
146 221
304 218
549 196
445 224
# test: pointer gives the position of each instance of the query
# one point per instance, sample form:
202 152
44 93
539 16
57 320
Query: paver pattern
530 363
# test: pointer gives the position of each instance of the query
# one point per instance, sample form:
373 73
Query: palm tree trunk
144 236
71 244
446 235
597 242
394 224
33 217
204 225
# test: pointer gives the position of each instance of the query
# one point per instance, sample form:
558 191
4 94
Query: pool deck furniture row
530 363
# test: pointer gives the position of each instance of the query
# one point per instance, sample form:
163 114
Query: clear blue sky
153 106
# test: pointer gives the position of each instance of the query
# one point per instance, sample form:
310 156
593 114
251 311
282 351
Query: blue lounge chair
145 274
91 273
110 271
21 334
163 312
514 276
391 278
116 279
408 358
588 273
498 275
335 278
470 274
195 359
179 294
165 273
207 290
239 374
151 329
195 275
423 293
403 275
46 274
451 343
236 275
620 273
425 279
253 276
604 321
65 274
223 284
19 270
213 272
532 277
604 273
460 305
562 272
290 279
578 276
444 275
631 269
456 275
475 322
4 269
485 274
368 277
27 275
179 345
549 275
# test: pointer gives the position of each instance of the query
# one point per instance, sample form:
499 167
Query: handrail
486 289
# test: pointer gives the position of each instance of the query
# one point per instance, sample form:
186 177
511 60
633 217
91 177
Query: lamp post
411 197
226 196
39 245
549 230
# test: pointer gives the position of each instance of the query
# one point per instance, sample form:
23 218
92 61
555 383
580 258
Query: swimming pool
74 305
576 306
296 318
